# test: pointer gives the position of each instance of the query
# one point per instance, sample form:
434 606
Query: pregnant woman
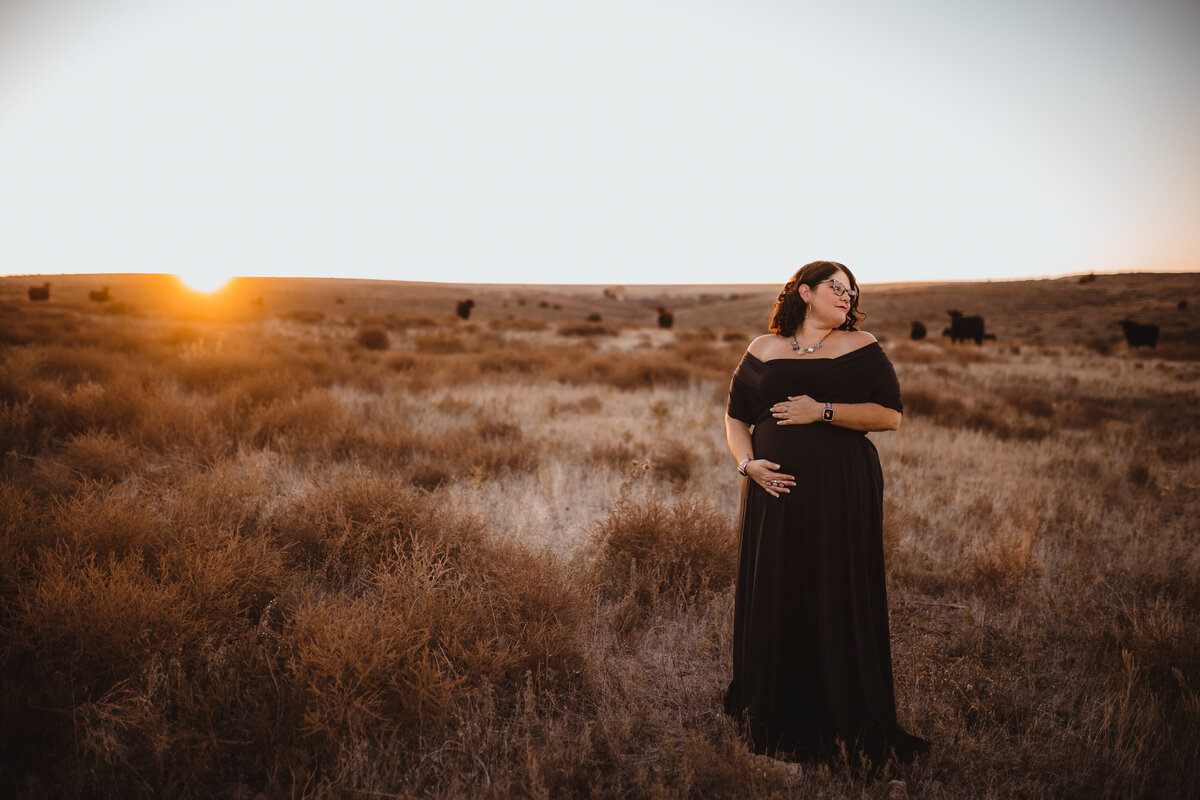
812 664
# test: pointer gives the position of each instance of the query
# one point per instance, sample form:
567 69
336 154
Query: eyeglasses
839 289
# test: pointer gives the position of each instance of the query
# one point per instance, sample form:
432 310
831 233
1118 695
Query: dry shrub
704 356
512 362
80 633
481 451
703 334
589 404
522 324
231 494
682 550
116 406
440 342
22 531
1138 474
100 456
202 723
429 475
74 365
673 460
304 316
629 371
170 424
182 335
298 423
229 575
104 519
373 338
1180 351
405 321
970 353
123 309
19 432
981 414
317 424
1002 568
398 322
209 368
403 660
264 387
585 329
352 523
1086 413
81 625
618 454
402 362
1033 404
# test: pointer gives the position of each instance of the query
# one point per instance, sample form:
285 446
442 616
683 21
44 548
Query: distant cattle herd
962 328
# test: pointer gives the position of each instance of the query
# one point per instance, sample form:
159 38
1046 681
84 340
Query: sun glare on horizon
205 281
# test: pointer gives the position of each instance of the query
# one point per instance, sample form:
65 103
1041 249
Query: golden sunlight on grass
331 540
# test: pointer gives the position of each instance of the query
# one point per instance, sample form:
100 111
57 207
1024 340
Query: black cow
1139 335
918 332
464 308
39 292
665 318
963 328
101 296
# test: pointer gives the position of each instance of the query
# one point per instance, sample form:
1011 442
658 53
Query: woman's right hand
765 474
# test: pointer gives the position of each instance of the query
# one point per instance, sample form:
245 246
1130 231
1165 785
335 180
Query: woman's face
824 304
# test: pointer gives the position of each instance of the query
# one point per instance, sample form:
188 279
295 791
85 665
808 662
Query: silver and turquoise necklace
809 350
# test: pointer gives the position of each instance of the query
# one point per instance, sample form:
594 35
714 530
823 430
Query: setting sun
206 281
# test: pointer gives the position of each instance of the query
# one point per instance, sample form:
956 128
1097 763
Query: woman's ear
804 291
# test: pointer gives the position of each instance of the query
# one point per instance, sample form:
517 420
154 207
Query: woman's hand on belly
765 473
797 411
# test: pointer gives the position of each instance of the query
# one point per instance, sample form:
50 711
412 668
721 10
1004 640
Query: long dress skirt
812 667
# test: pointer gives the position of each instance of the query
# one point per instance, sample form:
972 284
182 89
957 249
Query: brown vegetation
244 556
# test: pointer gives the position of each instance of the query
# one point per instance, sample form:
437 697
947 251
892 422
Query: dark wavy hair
788 313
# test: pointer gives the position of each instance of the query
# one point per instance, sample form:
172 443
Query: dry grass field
324 539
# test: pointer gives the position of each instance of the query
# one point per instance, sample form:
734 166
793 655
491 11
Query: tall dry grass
495 559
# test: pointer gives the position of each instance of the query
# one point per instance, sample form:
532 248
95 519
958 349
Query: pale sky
624 141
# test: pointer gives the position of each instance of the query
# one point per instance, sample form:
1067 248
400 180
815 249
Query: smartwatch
827 415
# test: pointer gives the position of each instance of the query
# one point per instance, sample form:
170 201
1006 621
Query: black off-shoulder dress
812 663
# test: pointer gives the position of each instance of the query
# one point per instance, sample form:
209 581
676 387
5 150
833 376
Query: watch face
828 414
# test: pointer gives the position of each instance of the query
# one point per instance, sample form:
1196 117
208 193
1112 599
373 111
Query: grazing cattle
918 332
665 318
963 328
1139 335
464 308
1089 278
39 292
101 296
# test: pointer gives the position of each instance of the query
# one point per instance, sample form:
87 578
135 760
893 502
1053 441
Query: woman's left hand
797 411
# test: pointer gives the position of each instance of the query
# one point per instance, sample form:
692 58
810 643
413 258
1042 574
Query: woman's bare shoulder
858 339
765 347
